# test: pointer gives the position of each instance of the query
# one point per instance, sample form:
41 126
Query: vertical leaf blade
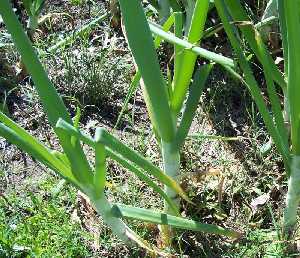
142 47
188 60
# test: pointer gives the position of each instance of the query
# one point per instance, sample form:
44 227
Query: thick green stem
293 197
171 166
117 226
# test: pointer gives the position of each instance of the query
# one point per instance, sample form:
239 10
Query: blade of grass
199 136
129 212
69 39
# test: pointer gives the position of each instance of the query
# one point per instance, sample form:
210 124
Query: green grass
35 224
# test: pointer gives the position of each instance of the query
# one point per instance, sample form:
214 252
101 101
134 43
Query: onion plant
287 142
171 116
72 163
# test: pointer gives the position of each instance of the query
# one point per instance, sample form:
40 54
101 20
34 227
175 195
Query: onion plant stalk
73 164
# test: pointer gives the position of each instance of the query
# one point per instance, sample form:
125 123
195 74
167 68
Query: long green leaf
283 30
143 50
178 50
129 212
275 102
46 90
135 81
171 38
188 60
30 145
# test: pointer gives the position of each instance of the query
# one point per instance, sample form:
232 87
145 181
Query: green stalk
292 198
187 62
100 166
118 227
171 166
141 44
